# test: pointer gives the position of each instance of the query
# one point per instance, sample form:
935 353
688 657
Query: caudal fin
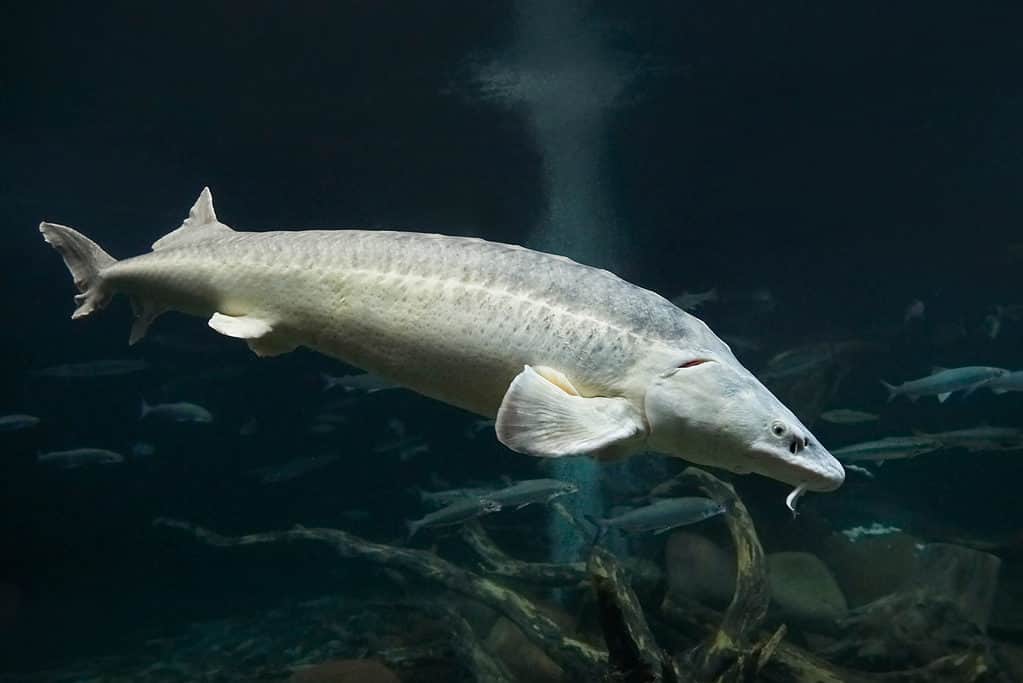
86 260
892 391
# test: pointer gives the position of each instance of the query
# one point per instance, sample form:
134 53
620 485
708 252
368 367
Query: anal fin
539 417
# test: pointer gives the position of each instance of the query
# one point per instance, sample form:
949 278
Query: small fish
79 457
662 515
799 361
889 448
13 423
477 427
143 449
943 381
442 498
455 513
97 368
914 311
691 301
293 469
365 382
983 438
742 344
530 491
1010 382
845 416
991 325
175 412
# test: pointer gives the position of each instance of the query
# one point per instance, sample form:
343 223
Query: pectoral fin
539 417
258 333
942 397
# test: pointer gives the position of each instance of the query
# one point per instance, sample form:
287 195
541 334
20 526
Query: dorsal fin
201 224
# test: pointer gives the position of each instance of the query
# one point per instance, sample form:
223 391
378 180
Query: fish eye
778 429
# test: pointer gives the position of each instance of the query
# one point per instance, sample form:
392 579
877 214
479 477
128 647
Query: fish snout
825 472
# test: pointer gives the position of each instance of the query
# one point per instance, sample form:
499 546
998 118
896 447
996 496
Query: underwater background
841 181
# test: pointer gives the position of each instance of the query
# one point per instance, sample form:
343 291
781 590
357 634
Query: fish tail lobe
893 391
86 261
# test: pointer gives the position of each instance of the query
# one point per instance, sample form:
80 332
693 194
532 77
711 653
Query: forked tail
86 261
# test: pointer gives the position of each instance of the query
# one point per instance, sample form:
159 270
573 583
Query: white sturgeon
569 359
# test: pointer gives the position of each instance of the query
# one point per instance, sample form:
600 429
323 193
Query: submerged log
582 660
635 656
497 562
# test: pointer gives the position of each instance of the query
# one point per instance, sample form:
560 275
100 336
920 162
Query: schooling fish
13 423
983 438
845 416
662 515
96 368
943 381
79 457
456 513
532 491
1006 383
889 448
181 411
569 359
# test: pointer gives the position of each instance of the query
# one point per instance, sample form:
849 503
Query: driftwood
634 654
582 660
964 576
497 563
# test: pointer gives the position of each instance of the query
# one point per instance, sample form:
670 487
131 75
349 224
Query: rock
698 569
524 660
346 671
871 565
804 591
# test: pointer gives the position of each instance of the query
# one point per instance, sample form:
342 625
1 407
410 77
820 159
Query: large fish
569 359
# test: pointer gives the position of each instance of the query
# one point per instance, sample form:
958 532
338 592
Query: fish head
487 505
710 410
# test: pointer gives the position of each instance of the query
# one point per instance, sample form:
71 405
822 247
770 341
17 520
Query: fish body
442 498
944 381
80 457
847 416
293 469
568 359
456 512
691 301
983 438
664 514
365 382
524 493
181 411
889 448
96 368
17 422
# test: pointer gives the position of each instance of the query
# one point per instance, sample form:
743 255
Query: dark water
845 160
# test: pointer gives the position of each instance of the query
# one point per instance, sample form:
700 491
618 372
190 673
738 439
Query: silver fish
79 457
845 416
441 498
981 438
889 448
293 469
455 513
691 301
662 515
97 368
365 382
943 381
530 491
181 411
13 423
